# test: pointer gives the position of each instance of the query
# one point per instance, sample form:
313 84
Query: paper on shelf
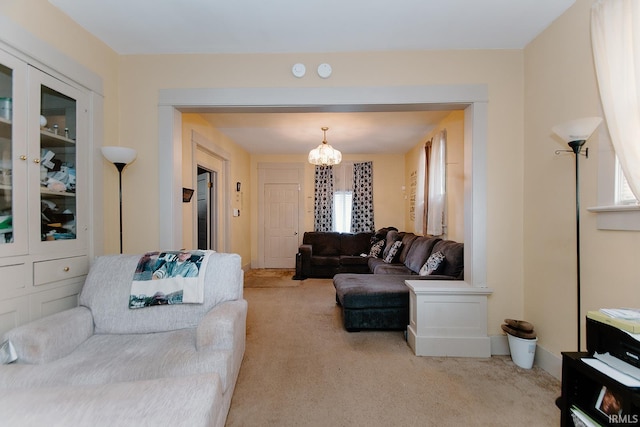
618 364
612 373
580 419
622 313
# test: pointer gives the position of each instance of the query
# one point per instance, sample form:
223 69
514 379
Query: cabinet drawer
14 276
59 269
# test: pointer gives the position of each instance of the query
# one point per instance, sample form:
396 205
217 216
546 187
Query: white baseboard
549 362
543 359
499 345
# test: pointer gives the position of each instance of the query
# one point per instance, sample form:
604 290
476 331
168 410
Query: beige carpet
270 278
301 368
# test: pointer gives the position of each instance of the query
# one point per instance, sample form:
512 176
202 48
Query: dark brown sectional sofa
370 291
325 254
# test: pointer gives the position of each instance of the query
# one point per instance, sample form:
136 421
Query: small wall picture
609 403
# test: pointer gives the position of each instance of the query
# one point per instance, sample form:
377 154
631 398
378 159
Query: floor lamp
120 157
576 133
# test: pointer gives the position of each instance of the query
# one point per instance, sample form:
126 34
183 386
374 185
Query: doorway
473 98
210 222
207 206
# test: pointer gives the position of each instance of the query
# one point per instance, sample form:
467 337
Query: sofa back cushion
355 244
419 251
407 242
453 264
108 286
324 243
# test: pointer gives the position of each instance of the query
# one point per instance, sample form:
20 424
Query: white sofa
102 363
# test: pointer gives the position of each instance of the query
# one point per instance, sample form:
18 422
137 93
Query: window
342 197
342 204
616 51
617 208
623 193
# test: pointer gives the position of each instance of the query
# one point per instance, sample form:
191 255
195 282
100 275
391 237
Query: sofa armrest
224 327
51 337
306 252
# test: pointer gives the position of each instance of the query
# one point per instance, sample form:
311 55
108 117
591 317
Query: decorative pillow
376 249
432 265
393 251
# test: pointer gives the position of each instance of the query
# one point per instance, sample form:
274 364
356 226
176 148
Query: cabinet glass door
13 238
58 146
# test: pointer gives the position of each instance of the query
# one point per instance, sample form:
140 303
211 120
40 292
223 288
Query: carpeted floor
301 368
270 278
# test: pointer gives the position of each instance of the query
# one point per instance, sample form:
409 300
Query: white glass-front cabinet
57 164
13 141
44 177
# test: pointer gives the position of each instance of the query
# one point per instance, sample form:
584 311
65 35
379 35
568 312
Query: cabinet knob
36 160
23 157
66 269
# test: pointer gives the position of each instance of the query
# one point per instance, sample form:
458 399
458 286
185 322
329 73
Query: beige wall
561 85
454 125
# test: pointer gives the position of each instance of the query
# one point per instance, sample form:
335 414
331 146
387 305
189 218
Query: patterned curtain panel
362 211
323 206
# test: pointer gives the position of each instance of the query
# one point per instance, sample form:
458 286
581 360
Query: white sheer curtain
437 185
420 194
615 37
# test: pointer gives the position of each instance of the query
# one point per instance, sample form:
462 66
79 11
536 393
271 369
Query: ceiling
289 26
308 26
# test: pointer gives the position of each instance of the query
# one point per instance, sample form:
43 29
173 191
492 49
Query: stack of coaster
519 328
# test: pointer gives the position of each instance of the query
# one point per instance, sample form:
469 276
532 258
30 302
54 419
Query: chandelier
324 154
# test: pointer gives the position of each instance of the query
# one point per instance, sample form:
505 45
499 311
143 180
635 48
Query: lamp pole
120 167
576 146
576 133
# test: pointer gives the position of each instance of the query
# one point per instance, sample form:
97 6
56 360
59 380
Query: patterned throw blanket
175 277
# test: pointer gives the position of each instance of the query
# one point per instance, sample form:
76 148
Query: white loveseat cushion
116 358
188 401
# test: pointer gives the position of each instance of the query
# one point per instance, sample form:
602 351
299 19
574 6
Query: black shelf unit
581 387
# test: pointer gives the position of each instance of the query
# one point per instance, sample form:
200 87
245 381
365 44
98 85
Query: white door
280 225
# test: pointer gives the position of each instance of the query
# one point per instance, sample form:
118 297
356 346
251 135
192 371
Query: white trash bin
522 350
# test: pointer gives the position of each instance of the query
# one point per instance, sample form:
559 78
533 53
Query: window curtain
437 173
421 193
323 200
615 38
362 207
